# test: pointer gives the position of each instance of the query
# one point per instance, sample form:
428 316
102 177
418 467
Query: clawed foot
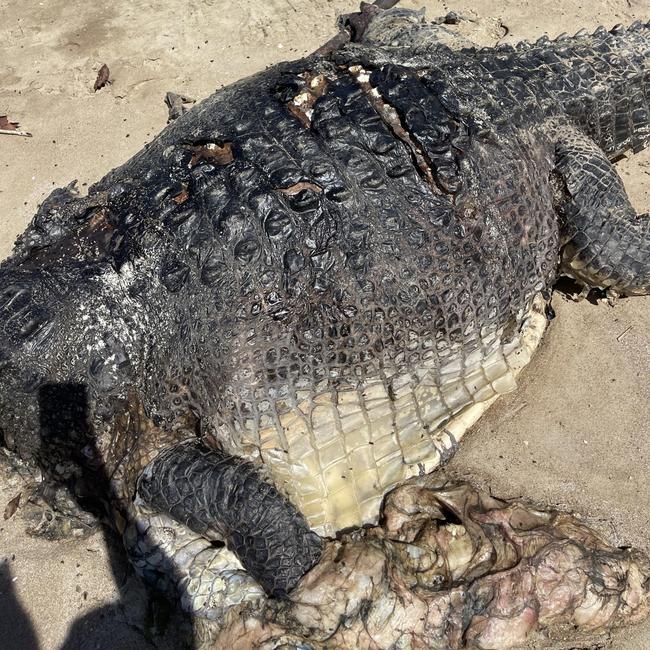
53 513
48 509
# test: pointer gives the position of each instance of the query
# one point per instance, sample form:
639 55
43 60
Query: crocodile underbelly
336 455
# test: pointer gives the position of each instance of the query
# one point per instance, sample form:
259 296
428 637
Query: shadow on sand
141 618
16 629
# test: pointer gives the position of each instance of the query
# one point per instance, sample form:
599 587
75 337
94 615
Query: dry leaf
6 124
214 153
12 506
7 127
102 77
182 197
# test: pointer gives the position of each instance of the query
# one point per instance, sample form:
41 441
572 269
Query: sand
576 434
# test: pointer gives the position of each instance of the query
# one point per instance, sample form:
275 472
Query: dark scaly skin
255 250
607 244
227 493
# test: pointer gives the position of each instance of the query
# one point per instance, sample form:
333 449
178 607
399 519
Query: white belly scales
336 455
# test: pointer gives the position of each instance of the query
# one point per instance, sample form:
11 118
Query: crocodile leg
222 497
605 243
207 579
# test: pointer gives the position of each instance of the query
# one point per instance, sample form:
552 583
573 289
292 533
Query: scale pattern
320 268
607 244
218 497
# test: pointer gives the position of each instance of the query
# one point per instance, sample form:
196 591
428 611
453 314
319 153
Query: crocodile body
327 269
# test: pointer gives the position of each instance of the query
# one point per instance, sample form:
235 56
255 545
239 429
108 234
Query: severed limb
383 24
352 27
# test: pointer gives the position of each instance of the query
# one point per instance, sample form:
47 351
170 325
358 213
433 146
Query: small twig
514 411
623 333
23 134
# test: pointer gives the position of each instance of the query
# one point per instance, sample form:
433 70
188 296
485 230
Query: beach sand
576 434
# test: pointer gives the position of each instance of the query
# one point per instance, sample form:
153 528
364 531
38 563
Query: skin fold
451 567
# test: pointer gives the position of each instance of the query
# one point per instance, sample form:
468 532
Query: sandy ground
576 433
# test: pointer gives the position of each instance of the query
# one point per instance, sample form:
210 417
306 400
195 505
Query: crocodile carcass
305 290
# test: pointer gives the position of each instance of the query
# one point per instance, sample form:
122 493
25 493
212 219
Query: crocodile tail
602 82
616 113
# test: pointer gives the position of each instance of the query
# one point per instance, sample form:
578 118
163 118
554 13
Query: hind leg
222 497
606 245
408 28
